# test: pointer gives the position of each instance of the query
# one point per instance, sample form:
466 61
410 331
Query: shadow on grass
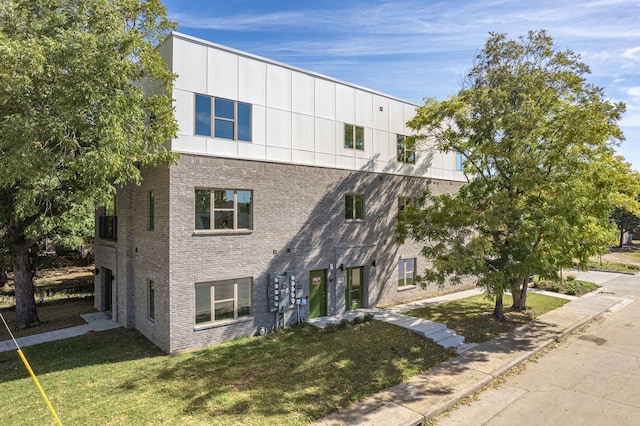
297 375
105 347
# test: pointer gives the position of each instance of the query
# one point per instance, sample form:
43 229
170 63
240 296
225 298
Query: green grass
471 317
614 266
290 377
571 287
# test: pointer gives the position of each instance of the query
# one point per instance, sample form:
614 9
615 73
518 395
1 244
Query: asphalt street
592 377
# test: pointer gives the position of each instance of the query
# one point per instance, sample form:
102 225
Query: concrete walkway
426 395
96 321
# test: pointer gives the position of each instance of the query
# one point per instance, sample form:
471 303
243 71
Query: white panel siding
278 128
193 144
223 74
278 87
259 125
325 131
364 109
325 99
184 104
302 93
303 132
252 81
190 63
380 118
297 116
345 104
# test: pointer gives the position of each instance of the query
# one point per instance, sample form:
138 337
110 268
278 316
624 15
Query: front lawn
291 377
471 317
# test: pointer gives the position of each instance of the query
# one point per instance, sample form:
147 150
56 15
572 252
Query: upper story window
459 161
404 202
108 221
151 220
353 137
223 118
232 209
354 207
406 150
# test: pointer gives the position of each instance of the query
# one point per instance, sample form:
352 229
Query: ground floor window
406 272
223 300
152 299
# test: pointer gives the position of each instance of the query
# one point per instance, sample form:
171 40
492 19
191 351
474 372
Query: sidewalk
426 395
96 321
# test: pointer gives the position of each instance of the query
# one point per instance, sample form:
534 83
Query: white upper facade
295 116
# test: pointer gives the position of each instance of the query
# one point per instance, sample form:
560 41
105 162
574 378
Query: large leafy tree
74 118
542 179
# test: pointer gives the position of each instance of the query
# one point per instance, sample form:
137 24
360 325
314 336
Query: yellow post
33 376
35 379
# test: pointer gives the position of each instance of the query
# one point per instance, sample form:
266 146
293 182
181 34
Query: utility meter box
281 292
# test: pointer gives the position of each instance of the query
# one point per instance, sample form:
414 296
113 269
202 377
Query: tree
626 222
542 178
75 121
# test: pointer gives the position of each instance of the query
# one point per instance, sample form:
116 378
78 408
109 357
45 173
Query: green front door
318 293
354 288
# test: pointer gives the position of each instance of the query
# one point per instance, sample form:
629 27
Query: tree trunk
621 237
26 313
522 300
498 311
516 294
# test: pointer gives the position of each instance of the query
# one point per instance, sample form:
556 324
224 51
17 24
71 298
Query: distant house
282 206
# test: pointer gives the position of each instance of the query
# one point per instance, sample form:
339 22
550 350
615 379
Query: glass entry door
354 288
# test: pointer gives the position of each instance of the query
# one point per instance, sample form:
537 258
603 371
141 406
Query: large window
223 300
354 207
228 119
353 137
231 209
406 150
108 221
406 272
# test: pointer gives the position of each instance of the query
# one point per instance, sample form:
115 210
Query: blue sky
413 49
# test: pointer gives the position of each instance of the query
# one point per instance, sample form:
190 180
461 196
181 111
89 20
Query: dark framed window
151 220
406 272
354 207
232 209
228 119
223 300
151 292
404 202
354 137
406 152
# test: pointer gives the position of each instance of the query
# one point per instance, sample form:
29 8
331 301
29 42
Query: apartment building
281 207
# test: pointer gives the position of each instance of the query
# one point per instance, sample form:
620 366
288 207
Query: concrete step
452 342
441 335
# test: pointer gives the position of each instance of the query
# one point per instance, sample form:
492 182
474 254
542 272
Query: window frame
403 202
404 153
459 161
212 209
403 280
351 137
242 119
212 302
151 218
151 299
351 205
